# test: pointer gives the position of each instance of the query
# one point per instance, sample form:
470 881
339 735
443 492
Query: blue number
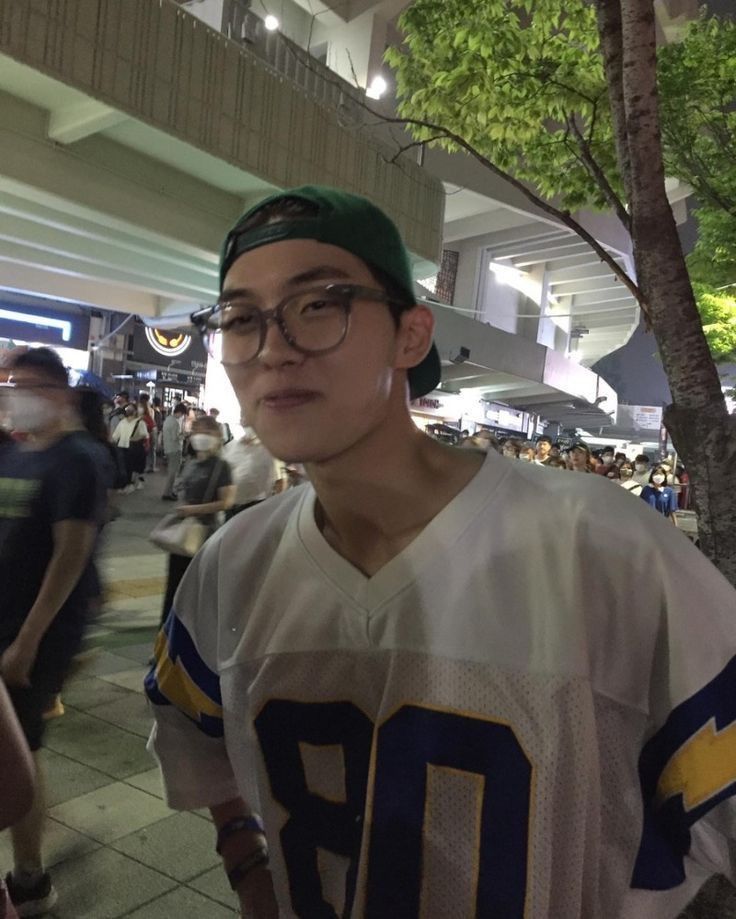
410 740
406 744
313 821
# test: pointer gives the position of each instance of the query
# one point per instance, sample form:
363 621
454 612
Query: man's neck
375 499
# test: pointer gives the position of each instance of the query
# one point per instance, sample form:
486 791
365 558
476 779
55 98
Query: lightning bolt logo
703 766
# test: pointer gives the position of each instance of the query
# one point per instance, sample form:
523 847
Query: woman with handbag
208 491
130 436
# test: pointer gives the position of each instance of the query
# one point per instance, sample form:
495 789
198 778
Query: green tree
560 98
697 79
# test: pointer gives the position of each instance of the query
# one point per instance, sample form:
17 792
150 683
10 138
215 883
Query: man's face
310 408
607 458
543 449
554 452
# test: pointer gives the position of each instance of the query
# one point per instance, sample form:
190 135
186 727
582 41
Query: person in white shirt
627 480
642 469
130 437
424 684
253 469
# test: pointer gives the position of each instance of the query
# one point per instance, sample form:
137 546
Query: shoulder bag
185 535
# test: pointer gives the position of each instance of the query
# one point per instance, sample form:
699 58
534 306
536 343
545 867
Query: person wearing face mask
528 453
208 490
659 495
642 469
51 501
628 481
606 462
130 437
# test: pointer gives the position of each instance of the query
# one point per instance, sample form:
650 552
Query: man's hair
44 361
208 425
180 409
124 394
214 412
143 397
642 458
293 208
544 439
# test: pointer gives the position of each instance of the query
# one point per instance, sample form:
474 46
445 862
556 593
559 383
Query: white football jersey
529 712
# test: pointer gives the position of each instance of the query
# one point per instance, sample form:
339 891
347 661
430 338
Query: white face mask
29 412
641 467
607 459
203 443
657 479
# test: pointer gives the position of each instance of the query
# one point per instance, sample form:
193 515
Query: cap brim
426 376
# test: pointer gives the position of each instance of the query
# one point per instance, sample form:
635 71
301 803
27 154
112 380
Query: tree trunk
701 428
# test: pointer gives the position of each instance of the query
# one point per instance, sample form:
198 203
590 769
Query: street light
271 22
377 88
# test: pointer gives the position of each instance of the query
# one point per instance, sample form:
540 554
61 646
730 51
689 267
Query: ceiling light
377 88
271 22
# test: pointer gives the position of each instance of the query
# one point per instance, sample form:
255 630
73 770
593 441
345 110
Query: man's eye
240 322
315 307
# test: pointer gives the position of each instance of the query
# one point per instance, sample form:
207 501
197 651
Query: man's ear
416 331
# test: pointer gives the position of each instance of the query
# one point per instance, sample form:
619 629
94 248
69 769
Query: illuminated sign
39 322
168 344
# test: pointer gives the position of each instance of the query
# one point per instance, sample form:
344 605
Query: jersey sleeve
687 767
183 687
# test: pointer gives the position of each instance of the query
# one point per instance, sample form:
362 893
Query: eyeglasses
314 321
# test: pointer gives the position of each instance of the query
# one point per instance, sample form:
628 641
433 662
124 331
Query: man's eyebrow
320 273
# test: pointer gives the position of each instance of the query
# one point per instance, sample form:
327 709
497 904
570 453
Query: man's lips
283 399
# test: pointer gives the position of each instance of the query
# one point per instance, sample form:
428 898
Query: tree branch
564 217
598 176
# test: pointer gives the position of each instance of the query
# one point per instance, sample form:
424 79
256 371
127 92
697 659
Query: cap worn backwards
350 222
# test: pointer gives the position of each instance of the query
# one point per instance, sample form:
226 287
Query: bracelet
252 823
255 860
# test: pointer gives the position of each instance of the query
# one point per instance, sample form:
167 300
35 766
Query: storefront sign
640 417
175 355
438 405
168 344
27 323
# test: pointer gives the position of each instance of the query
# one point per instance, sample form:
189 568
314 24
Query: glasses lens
316 320
233 333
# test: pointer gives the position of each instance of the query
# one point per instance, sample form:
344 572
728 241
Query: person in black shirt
50 495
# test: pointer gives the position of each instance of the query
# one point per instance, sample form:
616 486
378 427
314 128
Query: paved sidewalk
114 848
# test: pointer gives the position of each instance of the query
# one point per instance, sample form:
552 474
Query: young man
50 499
429 671
544 449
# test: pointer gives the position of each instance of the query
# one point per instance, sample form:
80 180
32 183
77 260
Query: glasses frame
345 293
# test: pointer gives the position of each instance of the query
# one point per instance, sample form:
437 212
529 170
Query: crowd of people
663 485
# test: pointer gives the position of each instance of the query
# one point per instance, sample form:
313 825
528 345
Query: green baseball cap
350 222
